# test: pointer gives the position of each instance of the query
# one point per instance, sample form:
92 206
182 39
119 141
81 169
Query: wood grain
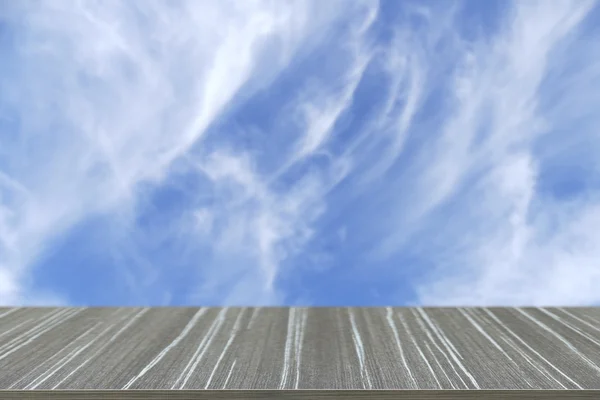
300 348
293 394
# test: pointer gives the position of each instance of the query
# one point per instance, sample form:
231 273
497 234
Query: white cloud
262 225
495 239
106 95
448 162
204 220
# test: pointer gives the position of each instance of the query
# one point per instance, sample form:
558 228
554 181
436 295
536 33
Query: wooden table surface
299 348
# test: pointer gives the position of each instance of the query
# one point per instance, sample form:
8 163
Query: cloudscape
299 152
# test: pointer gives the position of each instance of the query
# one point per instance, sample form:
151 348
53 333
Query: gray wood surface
299 348
300 394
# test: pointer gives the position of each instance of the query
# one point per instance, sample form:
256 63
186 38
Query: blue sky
299 152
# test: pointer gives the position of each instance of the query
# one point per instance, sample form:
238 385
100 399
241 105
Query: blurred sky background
299 152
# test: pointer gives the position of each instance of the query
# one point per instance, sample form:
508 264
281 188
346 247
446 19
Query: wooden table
299 352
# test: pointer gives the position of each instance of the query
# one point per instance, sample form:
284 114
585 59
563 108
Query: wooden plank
300 394
300 348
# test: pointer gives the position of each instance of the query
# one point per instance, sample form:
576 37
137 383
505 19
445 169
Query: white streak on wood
360 351
287 349
229 374
301 325
253 317
234 331
530 361
23 336
448 345
204 345
394 328
412 338
587 323
532 349
437 361
40 333
15 327
12 310
510 344
174 343
490 339
442 352
105 345
561 338
572 327
66 359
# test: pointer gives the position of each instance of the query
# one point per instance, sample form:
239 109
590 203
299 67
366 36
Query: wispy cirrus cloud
103 97
298 152
480 182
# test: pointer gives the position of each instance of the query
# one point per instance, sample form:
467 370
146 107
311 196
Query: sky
317 153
